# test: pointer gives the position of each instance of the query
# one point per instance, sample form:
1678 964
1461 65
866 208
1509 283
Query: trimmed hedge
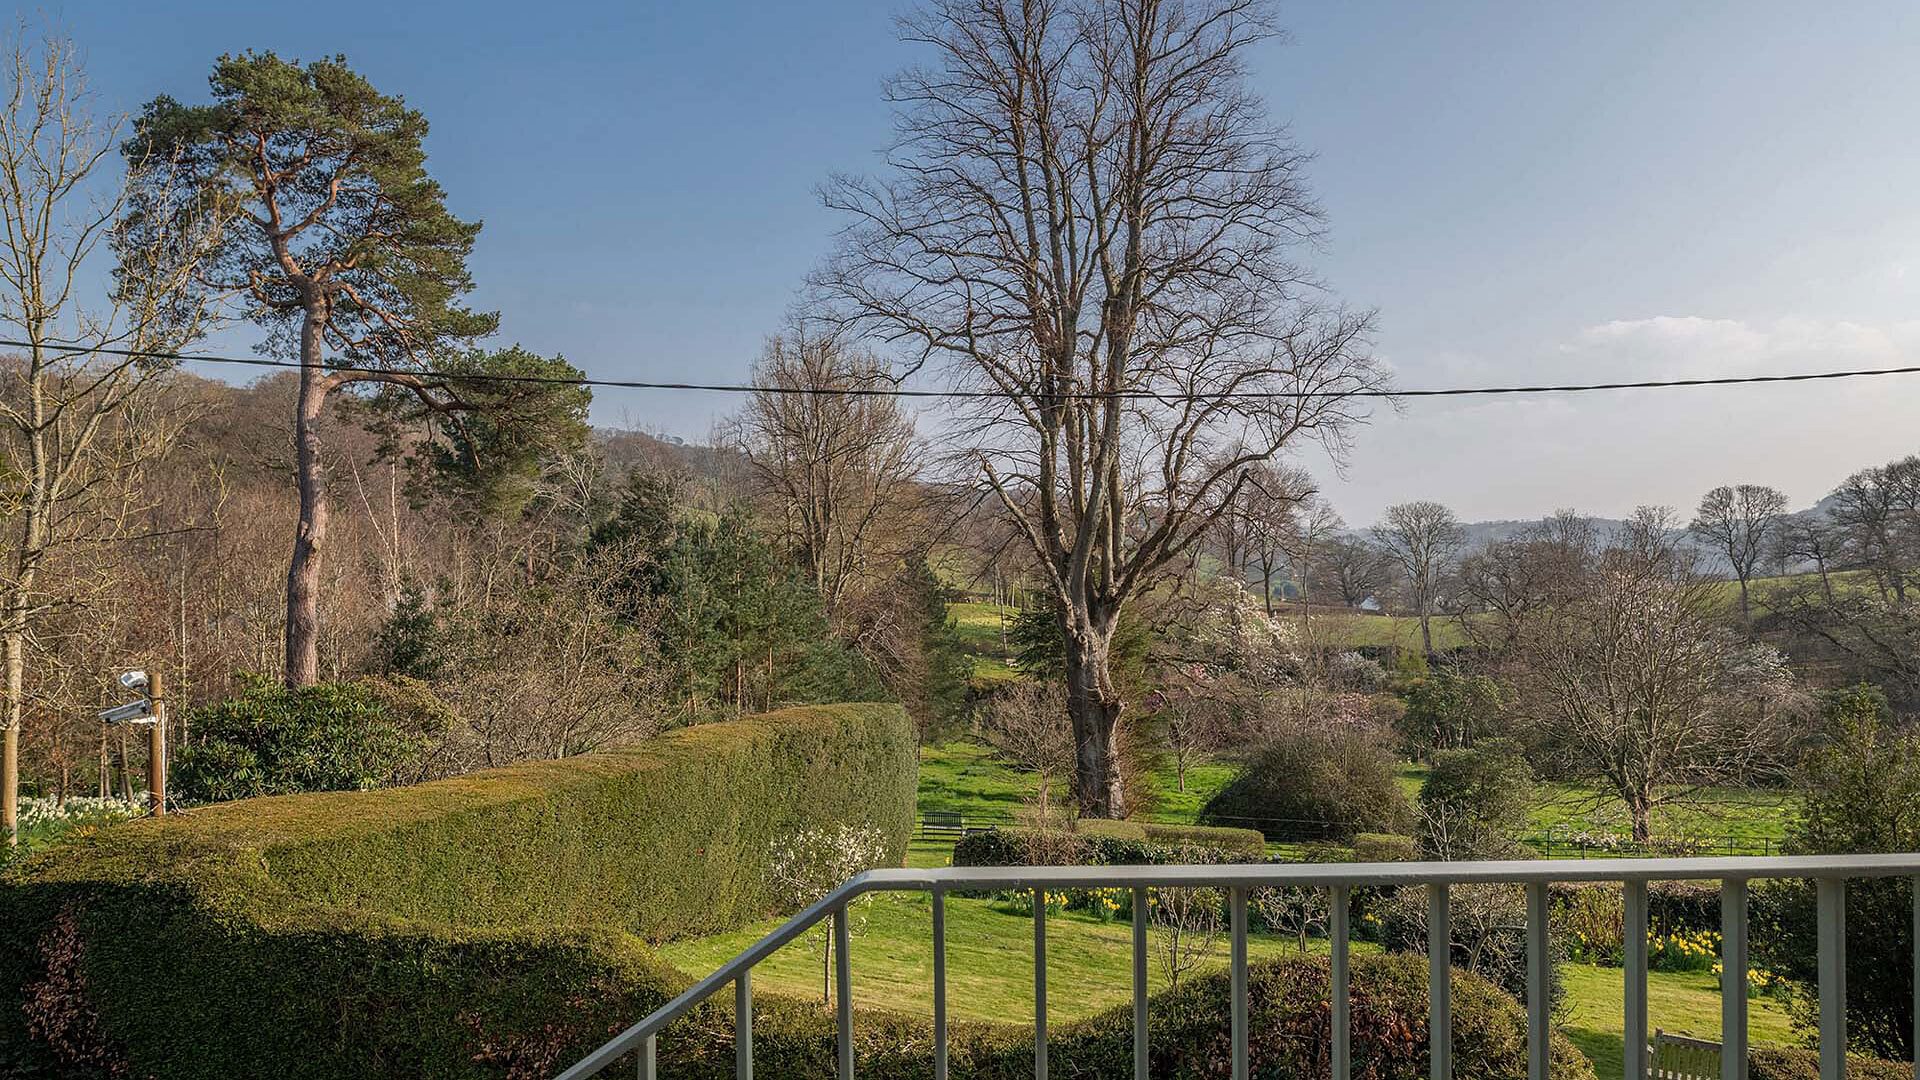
1237 841
213 945
490 925
1805 1065
1010 847
1384 847
1289 1026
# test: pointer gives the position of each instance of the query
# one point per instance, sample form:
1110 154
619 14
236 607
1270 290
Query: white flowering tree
810 863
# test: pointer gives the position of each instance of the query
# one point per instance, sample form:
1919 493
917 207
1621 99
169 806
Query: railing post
1916 973
1140 1032
1733 980
843 992
743 1025
1439 985
1338 903
1039 984
939 984
1634 945
1539 984
1832 964
1237 917
649 1060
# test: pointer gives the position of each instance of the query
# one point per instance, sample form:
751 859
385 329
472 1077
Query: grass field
1360 629
989 960
1745 816
1684 1003
969 779
980 627
990 971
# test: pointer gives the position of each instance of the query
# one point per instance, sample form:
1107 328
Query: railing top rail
1247 875
1517 871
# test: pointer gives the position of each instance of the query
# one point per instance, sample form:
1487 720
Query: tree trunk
33 541
1426 631
14 649
303 570
1094 707
1746 610
1640 808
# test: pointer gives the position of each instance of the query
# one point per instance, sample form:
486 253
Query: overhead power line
902 392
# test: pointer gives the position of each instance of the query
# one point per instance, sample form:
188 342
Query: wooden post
157 746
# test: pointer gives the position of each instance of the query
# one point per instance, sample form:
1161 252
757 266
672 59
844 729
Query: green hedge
213 945
1289 1029
1238 841
490 925
1010 847
1781 1064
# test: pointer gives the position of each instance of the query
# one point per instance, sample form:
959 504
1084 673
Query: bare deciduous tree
74 425
1638 683
1510 583
1091 218
1740 522
840 465
1424 538
1813 540
1276 508
1353 569
1022 722
1188 924
1877 512
1194 706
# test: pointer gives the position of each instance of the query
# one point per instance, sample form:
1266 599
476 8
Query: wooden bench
1681 1057
942 825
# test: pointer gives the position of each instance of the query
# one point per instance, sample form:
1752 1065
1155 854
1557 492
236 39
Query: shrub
1448 710
1384 847
1245 842
1289 1031
1311 785
1015 847
1857 797
1474 803
271 740
484 926
1784 1064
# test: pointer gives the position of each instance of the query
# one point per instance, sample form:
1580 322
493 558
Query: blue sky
1523 191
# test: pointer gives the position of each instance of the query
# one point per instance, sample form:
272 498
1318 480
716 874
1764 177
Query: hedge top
665 839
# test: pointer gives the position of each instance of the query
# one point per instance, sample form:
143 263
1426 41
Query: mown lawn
970 779
989 960
1684 1003
980 627
1745 816
990 972
1357 629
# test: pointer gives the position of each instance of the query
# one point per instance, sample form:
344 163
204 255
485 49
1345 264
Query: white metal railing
1829 873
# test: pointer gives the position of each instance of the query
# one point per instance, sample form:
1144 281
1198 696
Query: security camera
134 680
133 712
